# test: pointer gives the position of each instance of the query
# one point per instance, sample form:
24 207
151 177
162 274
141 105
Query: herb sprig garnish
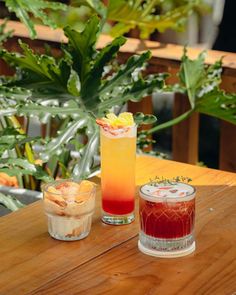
161 180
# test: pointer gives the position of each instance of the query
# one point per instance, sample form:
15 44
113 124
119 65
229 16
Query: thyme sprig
161 180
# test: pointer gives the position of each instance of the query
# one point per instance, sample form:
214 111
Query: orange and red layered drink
118 153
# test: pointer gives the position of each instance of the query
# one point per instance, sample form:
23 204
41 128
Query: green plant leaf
7 112
56 81
93 81
10 138
12 95
10 202
95 5
73 84
14 167
8 142
44 112
141 87
82 46
10 131
4 35
131 14
134 92
196 78
83 169
192 73
42 69
55 145
18 162
23 9
218 104
141 119
124 73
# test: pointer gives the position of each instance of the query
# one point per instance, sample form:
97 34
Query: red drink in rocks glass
167 214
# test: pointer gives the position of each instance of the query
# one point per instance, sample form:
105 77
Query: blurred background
201 31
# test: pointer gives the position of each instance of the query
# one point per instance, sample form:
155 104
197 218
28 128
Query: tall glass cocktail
167 214
118 153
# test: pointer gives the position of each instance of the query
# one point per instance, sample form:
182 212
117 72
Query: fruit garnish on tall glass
118 154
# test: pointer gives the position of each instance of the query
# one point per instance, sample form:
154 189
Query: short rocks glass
167 214
69 206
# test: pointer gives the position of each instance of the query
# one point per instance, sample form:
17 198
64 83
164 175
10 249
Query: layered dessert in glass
69 206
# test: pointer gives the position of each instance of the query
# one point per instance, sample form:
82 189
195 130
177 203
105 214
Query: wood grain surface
30 258
109 262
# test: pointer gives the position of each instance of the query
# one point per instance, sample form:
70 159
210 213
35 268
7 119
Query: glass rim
53 183
120 128
173 198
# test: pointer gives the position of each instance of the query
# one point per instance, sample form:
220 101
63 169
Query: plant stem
171 122
191 100
28 149
148 8
29 180
2 123
13 153
137 4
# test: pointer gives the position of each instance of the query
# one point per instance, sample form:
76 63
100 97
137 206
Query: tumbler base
117 219
69 228
167 254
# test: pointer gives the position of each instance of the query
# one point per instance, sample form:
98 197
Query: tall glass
118 154
167 215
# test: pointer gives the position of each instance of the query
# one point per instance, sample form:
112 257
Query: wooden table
108 260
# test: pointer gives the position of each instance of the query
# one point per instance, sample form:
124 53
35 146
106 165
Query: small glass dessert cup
69 206
167 215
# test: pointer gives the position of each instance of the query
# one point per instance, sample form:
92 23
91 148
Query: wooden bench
165 58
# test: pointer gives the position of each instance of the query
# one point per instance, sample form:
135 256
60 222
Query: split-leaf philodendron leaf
201 83
72 90
23 9
147 15
202 87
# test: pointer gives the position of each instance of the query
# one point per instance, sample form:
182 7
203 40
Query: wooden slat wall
185 136
227 147
165 58
145 106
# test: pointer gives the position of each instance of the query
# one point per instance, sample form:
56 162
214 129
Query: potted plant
76 88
